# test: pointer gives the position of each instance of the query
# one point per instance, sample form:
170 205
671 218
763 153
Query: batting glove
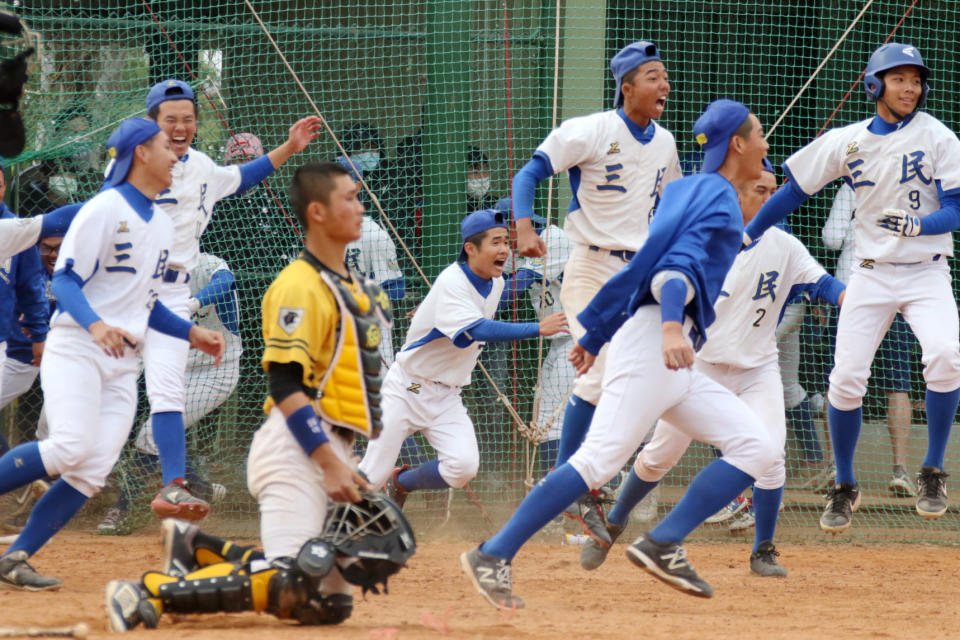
898 222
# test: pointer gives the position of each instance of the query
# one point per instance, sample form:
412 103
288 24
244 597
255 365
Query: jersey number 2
762 313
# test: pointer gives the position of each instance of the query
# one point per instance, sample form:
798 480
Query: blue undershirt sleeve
218 291
944 219
525 183
395 288
66 286
828 289
673 298
495 331
254 172
166 321
787 198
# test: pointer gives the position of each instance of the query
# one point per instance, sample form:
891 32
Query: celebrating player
422 388
742 356
321 329
660 302
618 162
107 274
198 184
902 165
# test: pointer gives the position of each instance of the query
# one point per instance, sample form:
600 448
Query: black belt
623 254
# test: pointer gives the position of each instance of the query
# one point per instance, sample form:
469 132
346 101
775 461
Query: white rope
816 71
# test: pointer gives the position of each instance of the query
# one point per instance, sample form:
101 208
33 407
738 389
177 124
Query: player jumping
902 165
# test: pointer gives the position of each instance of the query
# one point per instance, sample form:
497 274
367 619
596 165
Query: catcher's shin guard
219 587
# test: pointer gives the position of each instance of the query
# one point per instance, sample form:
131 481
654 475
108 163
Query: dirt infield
834 590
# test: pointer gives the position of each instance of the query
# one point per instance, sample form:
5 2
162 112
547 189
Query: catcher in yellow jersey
320 531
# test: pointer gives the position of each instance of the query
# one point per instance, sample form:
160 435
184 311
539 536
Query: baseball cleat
842 500
114 522
179 557
16 573
901 485
491 577
593 554
763 561
588 511
667 561
931 492
393 489
127 606
735 506
176 501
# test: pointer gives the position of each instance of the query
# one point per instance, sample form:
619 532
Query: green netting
442 89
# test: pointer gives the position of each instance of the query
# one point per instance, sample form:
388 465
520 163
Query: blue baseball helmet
888 56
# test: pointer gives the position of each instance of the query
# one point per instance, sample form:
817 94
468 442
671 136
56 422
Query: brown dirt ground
846 590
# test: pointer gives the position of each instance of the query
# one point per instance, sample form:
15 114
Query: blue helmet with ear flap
888 56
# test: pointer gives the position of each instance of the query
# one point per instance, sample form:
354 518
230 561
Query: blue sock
766 508
49 515
171 440
805 430
576 423
634 489
844 430
561 487
426 476
20 465
941 408
712 489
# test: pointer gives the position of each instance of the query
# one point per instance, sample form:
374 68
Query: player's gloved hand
581 359
898 222
193 305
112 340
529 244
553 324
677 352
341 483
210 342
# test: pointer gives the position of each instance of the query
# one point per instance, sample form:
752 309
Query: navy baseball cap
629 58
171 89
122 143
768 166
713 129
478 222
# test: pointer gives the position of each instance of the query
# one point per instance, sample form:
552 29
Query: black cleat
668 562
842 500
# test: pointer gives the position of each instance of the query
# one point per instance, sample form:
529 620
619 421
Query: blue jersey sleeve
253 173
66 287
525 184
496 331
788 198
944 219
32 294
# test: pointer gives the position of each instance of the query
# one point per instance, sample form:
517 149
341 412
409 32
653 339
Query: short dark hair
153 113
477 238
743 131
361 135
476 159
313 182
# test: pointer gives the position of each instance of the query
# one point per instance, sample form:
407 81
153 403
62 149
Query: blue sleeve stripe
433 334
254 172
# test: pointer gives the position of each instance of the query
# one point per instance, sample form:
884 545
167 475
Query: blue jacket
696 230
23 291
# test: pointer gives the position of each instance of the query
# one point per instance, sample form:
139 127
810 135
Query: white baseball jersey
558 252
121 259
839 233
900 170
18 234
198 184
452 305
617 174
207 265
764 276
374 255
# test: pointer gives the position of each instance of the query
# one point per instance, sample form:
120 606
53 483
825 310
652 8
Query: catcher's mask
372 537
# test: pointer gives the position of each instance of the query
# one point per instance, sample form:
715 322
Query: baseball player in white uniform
374 256
421 391
213 305
618 162
107 275
741 354
657 311
198 183
902 164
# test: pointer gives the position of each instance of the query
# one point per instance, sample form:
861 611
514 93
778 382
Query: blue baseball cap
629 58
768 166
713 129
505 206
171 89
122 143
478 222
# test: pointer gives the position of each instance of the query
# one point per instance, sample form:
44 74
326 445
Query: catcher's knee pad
331 609
206 595
297 580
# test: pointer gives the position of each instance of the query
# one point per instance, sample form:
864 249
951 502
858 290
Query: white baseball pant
165 357
923 294
412 404
638 389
